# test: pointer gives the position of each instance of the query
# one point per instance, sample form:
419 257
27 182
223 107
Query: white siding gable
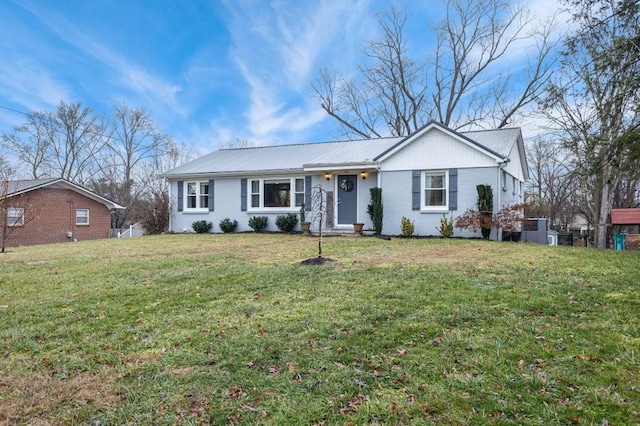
515 166
435 149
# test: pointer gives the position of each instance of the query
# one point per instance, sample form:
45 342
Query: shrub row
285 223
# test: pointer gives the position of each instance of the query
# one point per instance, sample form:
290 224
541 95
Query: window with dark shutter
415 190
180 200
243 195
211 196
453 189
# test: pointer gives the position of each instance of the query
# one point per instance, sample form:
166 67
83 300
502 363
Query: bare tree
464 85
472 40
153 206
235 143
390 95
64 143
553 185
16 211
595 100
134 141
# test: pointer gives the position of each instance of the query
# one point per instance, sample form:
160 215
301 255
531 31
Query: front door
347 199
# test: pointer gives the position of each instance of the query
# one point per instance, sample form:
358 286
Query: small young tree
318 211
15 211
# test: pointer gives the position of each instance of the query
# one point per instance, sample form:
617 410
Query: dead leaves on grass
39 397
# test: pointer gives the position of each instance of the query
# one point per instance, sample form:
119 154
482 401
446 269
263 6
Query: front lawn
218 329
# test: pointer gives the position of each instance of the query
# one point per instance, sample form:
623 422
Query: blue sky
208 71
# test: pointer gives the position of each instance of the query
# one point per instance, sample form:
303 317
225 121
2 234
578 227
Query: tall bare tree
64 143
470 88
465 84
389 97
552 188
595 100
134 140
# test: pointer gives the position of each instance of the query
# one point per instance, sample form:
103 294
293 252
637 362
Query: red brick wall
51 213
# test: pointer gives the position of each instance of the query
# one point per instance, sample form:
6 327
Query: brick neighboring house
45 211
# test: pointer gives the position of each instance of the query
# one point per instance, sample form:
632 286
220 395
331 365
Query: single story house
44 211
423 176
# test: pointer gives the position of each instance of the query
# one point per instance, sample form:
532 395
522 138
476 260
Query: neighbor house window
504 180
82 216
434 194
277 193
15 216
514 185
197 195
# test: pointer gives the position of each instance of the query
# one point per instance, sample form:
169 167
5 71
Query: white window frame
513 178
504 180
82 223
294 206
199 196
13 219
423 189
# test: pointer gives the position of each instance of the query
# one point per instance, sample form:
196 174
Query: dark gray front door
347 199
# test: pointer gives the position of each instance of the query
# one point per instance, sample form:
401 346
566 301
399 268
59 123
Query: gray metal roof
284 157
500 141
300 156
17 187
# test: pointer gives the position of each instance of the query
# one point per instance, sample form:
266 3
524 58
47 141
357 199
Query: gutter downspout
501 167
170 192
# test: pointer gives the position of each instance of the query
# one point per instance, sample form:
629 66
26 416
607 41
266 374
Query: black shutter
307 193
415 190
180 200
453 189
243 195
211 195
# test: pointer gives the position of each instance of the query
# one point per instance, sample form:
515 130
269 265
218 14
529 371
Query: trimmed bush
202 226
287 222
446 227
227 226
407 227
375 209
258 223
485 207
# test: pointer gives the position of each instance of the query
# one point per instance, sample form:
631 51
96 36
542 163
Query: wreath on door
346 185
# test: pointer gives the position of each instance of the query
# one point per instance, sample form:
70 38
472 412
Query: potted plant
304 225
357 228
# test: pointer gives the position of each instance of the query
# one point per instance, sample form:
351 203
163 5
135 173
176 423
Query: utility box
535 231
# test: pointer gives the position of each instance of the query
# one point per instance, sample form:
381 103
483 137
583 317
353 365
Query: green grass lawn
231 329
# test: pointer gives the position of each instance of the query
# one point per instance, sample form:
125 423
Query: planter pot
305 226
357 228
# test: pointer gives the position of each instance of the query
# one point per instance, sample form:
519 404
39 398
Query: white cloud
126 73
27 83
277 49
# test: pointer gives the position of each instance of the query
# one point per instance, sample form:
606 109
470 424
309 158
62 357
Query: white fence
135 230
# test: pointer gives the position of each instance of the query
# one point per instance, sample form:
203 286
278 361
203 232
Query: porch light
363 175
327 176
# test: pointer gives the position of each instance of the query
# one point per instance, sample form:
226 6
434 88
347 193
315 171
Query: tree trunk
603 215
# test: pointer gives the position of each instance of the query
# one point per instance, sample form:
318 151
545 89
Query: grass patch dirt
232 329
